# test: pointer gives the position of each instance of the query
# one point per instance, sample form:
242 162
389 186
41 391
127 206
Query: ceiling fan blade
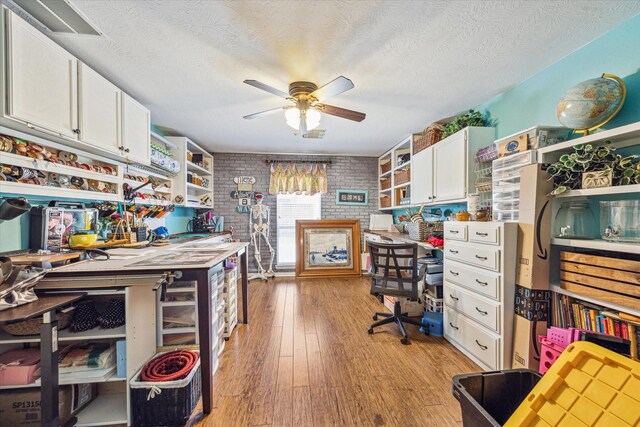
333 88
265 113
267 88
341 112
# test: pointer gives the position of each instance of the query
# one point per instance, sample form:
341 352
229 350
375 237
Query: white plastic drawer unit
178 316
480 255
474 307
484 233
480 281
476 340
456 231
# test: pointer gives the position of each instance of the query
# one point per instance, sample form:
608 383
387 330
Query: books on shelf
568 312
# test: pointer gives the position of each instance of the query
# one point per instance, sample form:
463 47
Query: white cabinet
136 130
41 80
479 290
450 173
422 177
50 91
443 172
100 110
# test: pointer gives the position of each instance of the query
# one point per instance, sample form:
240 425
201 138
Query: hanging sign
244 180
244 201
243 195
243 209
245 187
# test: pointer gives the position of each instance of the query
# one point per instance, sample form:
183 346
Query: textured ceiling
411 62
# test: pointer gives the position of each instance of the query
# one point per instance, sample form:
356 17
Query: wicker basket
402 176
32 326
385 167
429 136
385 201
418 230
385 183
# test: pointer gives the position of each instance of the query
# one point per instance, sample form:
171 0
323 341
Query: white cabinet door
422 177
136 130
450 164
100 110
42 80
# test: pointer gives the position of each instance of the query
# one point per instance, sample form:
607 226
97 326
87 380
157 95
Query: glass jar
575 220
620 221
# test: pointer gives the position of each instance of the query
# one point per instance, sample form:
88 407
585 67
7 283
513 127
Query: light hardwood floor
306 359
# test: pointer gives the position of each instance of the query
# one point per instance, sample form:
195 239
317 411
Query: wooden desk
401 238
46 307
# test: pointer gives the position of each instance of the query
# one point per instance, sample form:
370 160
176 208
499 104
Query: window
290 208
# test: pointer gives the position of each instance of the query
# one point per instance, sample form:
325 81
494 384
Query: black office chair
394 272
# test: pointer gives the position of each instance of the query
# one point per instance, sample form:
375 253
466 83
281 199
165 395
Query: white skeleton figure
259 222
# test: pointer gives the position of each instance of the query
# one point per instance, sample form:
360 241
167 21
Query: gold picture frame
328 248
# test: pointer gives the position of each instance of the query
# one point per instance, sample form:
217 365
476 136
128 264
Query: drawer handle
454 298
454 327
484 313
481 258
454 231
482 234
454 273
484 347
481 283
452 251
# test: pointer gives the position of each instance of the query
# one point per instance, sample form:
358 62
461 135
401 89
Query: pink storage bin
549 352
18 367
563 336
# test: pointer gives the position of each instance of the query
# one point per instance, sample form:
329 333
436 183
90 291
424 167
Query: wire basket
483 185
487 154
483 169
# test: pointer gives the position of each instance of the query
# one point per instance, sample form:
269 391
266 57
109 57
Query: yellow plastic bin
588 385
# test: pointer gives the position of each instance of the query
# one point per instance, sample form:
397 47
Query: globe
591 103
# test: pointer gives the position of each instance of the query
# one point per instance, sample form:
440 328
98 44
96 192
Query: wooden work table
197 260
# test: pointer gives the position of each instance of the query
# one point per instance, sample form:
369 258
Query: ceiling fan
308 102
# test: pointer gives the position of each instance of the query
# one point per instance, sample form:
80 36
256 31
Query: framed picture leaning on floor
328 248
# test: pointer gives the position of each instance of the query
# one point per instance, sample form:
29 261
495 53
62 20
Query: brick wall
357 173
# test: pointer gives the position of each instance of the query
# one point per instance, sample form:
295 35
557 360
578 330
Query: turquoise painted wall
533 102
14 234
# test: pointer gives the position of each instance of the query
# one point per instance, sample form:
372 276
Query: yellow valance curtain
289 178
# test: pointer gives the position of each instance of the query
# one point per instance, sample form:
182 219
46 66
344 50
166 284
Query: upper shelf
192 167
623 136
598 244
604 191
162 139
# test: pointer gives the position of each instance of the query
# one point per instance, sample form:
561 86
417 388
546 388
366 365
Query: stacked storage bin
506 184
432 295
230 294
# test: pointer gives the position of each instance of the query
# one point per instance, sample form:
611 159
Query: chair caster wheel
375 317
404 340
370 331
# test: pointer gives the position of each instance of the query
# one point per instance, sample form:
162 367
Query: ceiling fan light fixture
313 119
293 117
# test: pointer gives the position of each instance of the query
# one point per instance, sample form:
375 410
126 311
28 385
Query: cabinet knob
121 148
126 150
76 131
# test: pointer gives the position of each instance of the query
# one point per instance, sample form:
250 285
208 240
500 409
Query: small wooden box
610 279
